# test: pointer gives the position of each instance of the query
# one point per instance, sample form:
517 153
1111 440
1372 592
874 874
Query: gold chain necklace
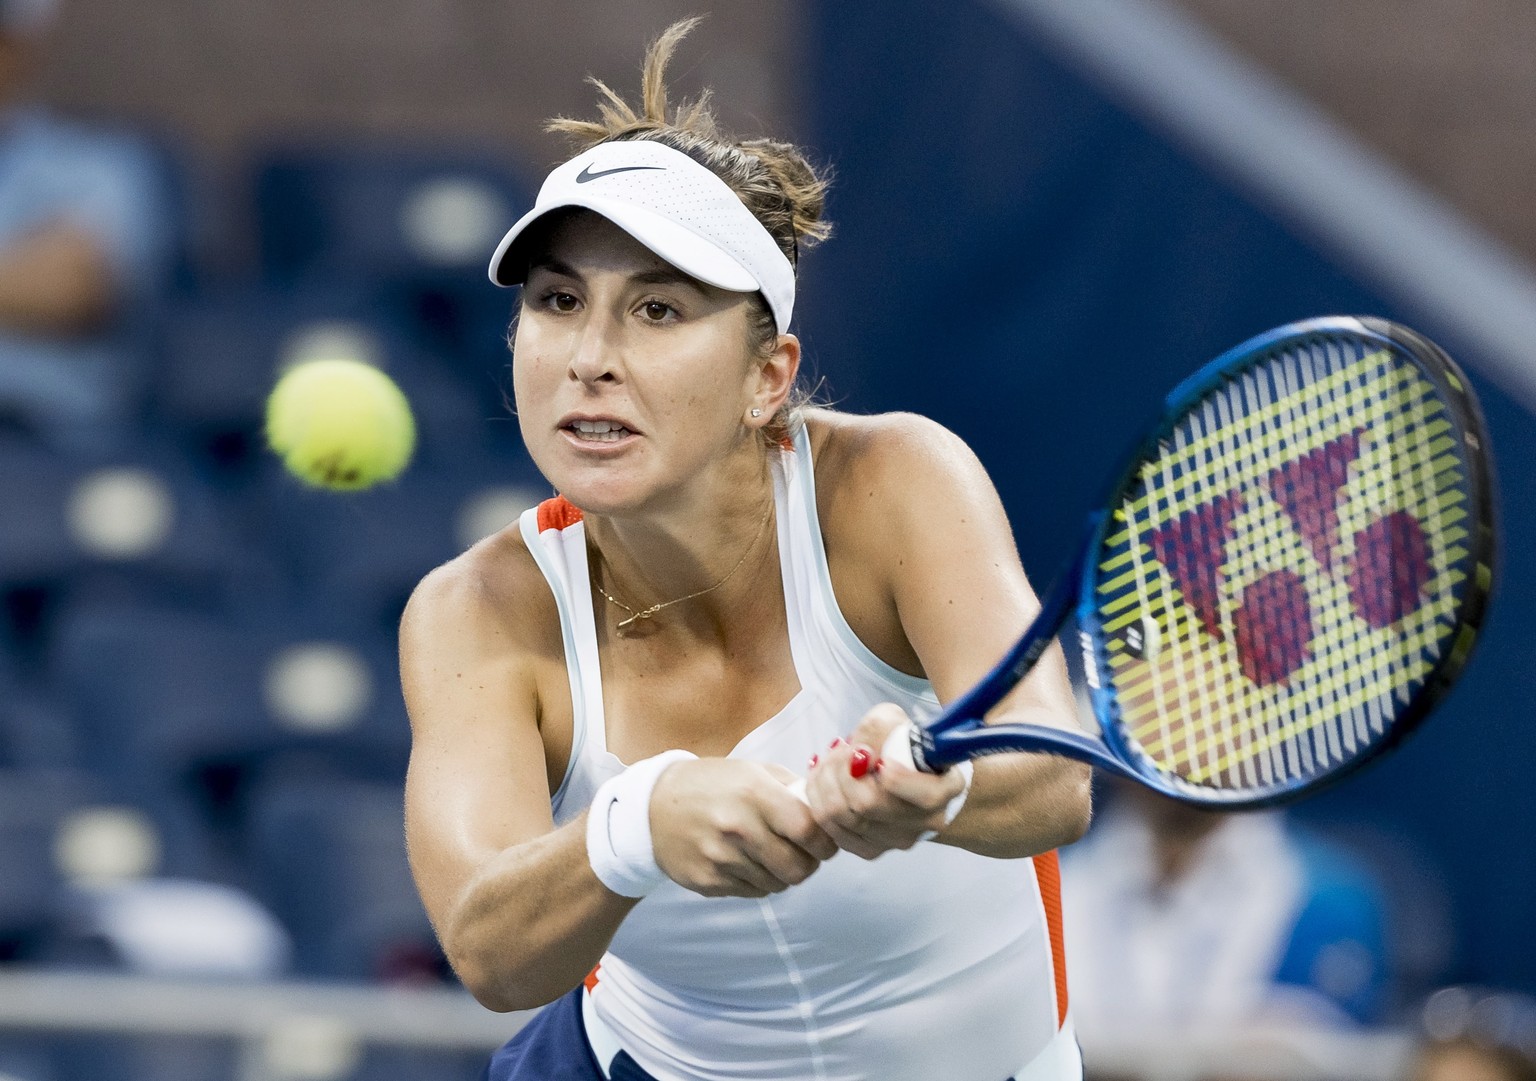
636 617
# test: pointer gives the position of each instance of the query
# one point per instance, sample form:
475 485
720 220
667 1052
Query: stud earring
757 412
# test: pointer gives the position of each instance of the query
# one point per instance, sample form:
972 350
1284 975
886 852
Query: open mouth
598 431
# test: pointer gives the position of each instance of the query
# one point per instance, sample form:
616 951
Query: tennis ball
340 424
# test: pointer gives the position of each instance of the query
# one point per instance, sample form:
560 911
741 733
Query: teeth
605 431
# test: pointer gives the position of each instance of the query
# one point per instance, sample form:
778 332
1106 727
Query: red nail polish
812 763
858 765
838 742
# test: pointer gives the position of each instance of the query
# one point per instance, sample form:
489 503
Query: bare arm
55 280
943 563
520 914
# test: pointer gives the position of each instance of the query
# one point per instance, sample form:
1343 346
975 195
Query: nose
595 352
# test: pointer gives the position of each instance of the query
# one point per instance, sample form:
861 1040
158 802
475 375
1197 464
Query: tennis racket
1286 577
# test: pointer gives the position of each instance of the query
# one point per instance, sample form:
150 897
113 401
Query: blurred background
1047 212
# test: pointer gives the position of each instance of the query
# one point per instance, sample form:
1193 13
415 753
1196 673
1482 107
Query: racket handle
898 747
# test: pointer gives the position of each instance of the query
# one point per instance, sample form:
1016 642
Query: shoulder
913 532
896 469
492 597
887 455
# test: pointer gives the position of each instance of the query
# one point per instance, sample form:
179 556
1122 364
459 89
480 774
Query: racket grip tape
898 747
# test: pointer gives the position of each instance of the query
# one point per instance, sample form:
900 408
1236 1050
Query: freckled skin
628 337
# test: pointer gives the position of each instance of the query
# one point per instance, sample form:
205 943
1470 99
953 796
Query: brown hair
773 179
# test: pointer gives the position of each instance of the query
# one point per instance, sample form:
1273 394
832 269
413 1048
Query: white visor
675 207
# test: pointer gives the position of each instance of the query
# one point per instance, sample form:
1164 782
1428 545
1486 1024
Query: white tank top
926 964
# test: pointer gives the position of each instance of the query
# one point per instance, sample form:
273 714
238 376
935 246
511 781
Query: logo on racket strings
1271 617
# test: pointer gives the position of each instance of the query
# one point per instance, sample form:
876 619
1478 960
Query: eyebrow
665 275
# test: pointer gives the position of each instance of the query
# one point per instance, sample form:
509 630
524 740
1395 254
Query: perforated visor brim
681 247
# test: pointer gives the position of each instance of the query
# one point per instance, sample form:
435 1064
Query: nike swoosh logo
587 173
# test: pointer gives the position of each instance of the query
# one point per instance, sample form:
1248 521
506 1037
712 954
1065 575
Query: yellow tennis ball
340 424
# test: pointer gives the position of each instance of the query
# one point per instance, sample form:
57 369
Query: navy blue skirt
553 1047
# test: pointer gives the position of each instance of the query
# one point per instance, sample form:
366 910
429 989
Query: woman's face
631 378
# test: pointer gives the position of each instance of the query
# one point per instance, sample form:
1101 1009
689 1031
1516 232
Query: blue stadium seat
24 1059
148 524
224 351
365 552
32 804
418 224
181 709
372 210
35 545
136 522
166 701
345 893
37 728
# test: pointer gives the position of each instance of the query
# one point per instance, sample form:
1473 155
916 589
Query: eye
562 302
656 311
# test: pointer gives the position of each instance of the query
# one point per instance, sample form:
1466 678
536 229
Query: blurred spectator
1179 918
120 912
1467 1060
84 237
1477 1035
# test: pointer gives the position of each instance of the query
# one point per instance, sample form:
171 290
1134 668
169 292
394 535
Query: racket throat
921 746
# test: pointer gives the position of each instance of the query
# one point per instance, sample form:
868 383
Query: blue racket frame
959 732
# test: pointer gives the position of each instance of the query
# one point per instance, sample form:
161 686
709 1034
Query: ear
772 378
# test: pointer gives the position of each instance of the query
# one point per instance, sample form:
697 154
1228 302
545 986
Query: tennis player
612 698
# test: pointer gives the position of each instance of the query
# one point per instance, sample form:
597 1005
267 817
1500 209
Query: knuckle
863 800
717 854
726 822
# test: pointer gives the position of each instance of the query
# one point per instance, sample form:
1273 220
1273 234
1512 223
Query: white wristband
967 770
619 828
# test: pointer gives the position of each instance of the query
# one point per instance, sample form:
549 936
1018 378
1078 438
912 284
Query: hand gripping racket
1286 577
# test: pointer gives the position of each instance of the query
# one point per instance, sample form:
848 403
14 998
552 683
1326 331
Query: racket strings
1287 568
1282 594
1330 742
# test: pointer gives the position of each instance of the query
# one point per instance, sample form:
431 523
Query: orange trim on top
557 513
1048 874
591 980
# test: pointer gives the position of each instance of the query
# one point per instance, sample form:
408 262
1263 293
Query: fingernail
878 763
838 742
812 763
858 765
